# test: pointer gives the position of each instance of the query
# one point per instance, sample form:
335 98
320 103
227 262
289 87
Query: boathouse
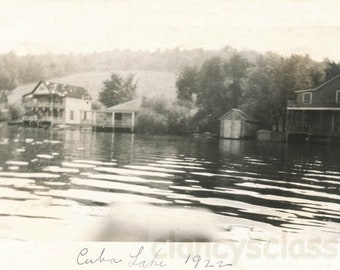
50 104
315 113
236 124
120 117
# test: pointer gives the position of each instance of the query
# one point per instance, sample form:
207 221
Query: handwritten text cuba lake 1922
138 259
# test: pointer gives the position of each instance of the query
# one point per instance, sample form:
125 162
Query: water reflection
49 178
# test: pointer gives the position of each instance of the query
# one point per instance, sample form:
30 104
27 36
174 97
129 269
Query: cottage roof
320 86
64 90
130 106
242 114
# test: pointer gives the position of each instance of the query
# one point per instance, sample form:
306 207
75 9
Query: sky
78 26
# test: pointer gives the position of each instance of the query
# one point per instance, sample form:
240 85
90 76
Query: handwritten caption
140 259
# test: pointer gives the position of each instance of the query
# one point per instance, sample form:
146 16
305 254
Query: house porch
113 121
43 117
313 124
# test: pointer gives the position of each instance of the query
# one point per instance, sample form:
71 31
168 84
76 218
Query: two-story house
316 112
51 104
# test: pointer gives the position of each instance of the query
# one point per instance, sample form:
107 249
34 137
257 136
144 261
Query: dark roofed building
55 103
316 111
62 90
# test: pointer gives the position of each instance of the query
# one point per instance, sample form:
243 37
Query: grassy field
149 83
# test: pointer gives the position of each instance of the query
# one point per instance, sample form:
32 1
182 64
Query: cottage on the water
315 112
50 104
236 124
118 117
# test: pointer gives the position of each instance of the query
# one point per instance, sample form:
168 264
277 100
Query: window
118 116
84 115
337 96
71 115
307 98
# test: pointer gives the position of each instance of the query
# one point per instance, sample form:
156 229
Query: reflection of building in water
122 147
85 144
79 143
231 147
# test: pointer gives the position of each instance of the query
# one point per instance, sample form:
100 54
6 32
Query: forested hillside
155 71
17 70
149 83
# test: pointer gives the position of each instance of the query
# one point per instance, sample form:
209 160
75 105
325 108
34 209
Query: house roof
130 106
64 90
320 86
241 113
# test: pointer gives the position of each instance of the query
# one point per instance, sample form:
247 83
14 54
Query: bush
15 112
97 105
149 121
159 116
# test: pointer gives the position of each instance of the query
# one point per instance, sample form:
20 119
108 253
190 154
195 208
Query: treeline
259 85
15 69
210 82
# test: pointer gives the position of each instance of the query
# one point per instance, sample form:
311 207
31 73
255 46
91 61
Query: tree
117 90
216 87
213 98
32 69
263 95
186 84
8 71
8 79
273 80
236 70
332 69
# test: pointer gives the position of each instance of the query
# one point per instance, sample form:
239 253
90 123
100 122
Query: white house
56 104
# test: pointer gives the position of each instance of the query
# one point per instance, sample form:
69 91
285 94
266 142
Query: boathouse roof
240 114
130 106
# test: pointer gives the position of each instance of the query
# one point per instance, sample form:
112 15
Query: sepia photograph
132 131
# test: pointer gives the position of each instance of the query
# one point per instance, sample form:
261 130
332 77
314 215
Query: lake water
50 179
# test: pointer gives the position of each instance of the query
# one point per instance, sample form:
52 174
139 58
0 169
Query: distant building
119 117
316 112
236 124
56 104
